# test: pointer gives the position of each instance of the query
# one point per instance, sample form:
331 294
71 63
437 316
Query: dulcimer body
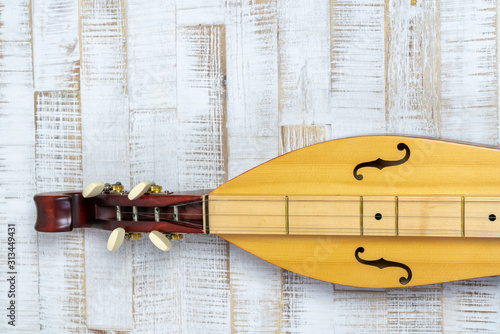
374 211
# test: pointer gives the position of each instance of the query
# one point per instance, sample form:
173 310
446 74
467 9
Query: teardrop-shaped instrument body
419 211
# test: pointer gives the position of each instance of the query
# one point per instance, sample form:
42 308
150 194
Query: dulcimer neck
421 216
197 212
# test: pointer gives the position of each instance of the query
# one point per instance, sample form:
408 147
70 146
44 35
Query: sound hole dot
378 216
492 217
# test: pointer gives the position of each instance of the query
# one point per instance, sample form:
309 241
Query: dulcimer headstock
128 214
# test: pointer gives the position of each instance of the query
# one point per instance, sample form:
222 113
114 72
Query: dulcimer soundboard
373 211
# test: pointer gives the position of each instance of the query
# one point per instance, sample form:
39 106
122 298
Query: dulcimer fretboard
440 216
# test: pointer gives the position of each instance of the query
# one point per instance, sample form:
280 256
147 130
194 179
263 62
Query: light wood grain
375 207
324 215
293 137
248 214
444 216
477 217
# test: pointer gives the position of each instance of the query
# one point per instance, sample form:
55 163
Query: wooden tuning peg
116 238
160 240
93 189
139 190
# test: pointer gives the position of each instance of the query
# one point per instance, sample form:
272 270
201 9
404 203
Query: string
313 229
201 215
341 230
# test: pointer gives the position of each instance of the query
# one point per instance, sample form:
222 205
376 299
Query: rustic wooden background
192 93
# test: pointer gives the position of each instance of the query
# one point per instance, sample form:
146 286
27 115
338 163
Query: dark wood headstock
63 211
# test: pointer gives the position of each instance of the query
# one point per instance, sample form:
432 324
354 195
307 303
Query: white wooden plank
200 12
157 288
17 168
471 306
469 112
58 141
469 73
415 310
153 147
362 312
252 56
157 276
151 54
105 123
252 139
56 46
201 148
293 137
201 63
304 62
58 166
413 61
307 304
203 270
255 293
357 41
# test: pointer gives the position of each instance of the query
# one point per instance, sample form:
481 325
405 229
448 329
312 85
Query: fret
324 215
482 216
379 215
431 216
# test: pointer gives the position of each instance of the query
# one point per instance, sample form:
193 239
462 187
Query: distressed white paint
252 55
201 64
200 12
471 306
413 76
153 101
105 124
253 118
201 152
153 147
304 62
152 60
58 162
469 71
56 46
17 166
357 67
415 310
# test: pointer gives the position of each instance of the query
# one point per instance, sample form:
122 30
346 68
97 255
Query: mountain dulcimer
375 211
